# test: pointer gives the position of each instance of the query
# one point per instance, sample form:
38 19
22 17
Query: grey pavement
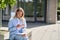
47 32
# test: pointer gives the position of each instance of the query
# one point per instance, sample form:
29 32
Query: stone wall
51 16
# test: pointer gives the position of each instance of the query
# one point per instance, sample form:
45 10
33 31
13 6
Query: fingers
24 35
18 26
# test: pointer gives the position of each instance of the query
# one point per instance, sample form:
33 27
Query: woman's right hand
18 26
23 35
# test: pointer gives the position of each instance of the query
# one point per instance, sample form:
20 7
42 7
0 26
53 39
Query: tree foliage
4 3
58 3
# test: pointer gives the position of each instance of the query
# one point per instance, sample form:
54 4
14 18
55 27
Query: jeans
19 37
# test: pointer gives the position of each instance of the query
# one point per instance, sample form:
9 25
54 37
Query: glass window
34 9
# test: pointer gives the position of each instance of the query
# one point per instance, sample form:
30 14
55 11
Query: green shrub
58 12
58 8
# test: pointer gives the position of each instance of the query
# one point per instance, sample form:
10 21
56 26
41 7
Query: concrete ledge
4 33
1 37
4 28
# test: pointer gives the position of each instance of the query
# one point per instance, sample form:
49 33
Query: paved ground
47 32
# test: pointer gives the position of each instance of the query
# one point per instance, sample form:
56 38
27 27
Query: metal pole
35 10
45 10
17 3
24 4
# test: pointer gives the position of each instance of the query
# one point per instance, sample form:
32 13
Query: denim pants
19 37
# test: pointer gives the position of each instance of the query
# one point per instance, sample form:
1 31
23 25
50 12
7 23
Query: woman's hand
18 26
23 35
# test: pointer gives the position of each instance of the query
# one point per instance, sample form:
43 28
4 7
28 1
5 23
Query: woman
17 26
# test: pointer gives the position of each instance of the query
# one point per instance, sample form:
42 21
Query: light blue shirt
12 27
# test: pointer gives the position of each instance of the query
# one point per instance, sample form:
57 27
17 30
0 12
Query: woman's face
19 14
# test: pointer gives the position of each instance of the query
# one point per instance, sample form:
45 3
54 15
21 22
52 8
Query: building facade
44 11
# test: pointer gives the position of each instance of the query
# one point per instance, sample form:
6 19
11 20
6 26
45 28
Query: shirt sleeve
11 28
25 26
25 23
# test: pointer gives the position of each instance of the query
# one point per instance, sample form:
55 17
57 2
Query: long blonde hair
20 9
